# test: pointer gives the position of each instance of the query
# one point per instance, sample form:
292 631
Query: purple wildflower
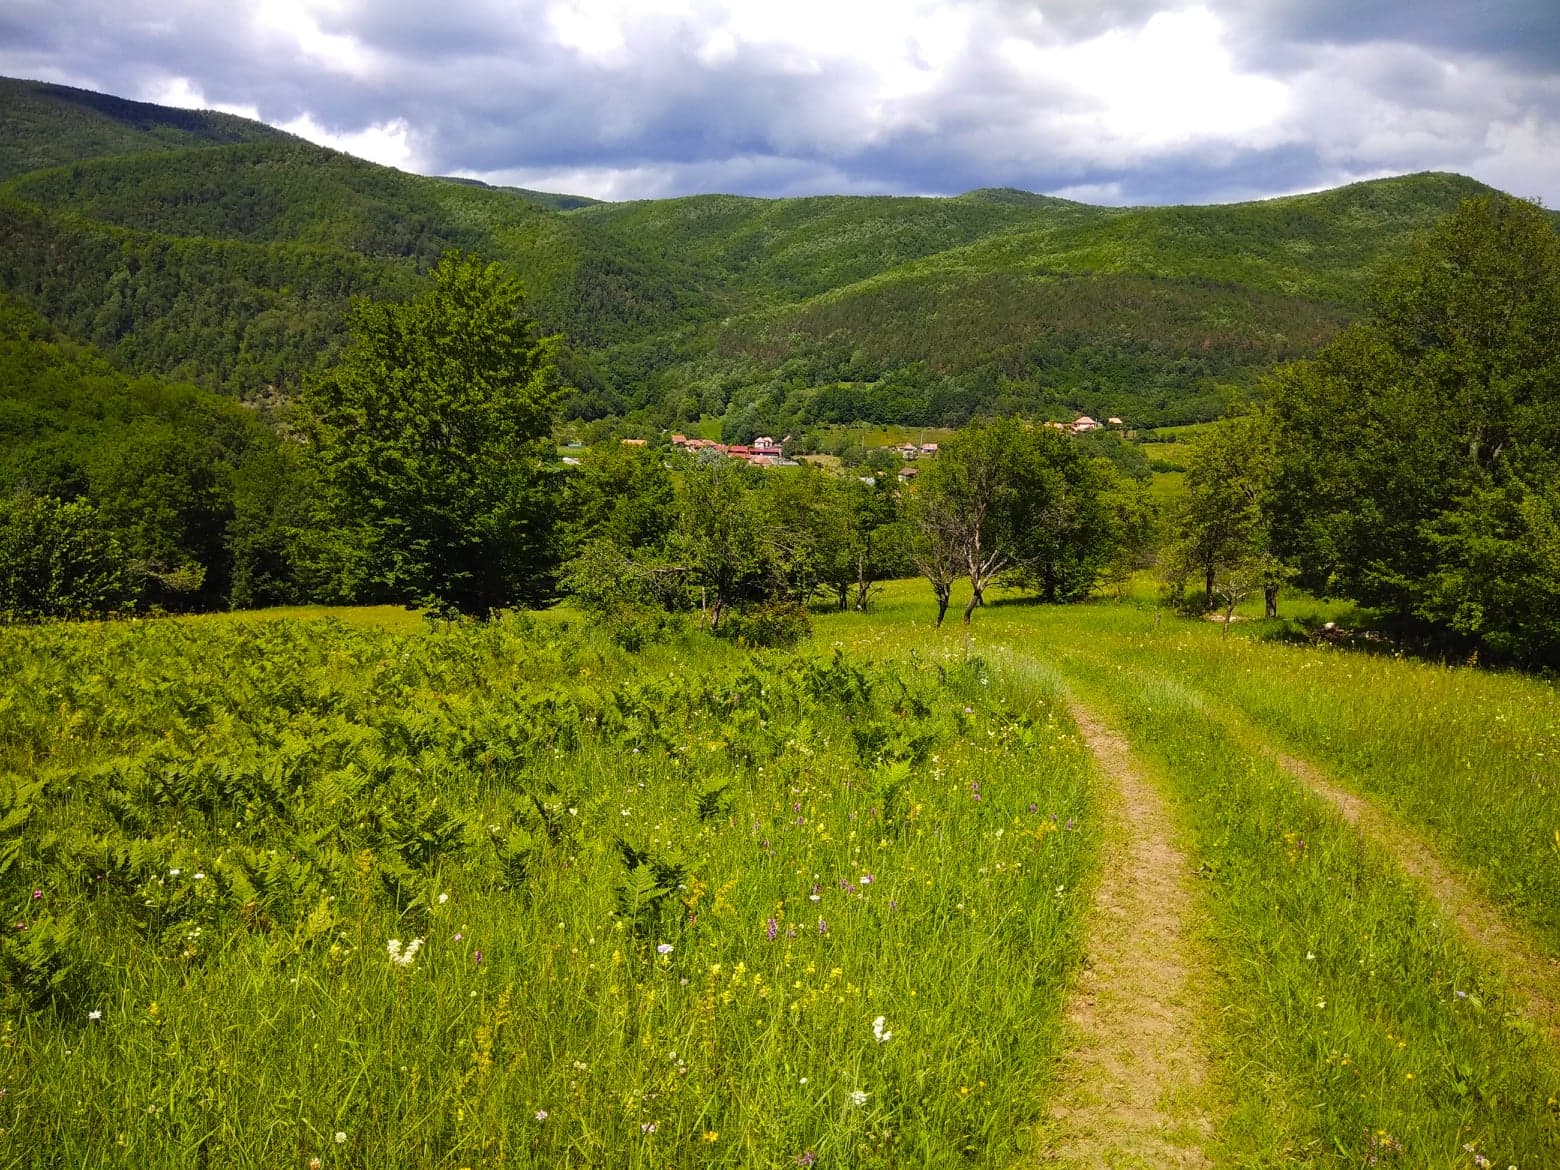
477 958
806 1159
772 929
823 927
37 894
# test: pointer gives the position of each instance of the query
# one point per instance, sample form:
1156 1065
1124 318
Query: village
767 451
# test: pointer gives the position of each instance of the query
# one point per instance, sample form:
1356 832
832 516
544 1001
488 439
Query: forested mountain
222 252
42 125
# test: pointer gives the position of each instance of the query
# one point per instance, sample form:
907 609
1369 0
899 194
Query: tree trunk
844 591
1048 591
1229 616
975 599
863 588
942 607
715 608
1270 600
1208 587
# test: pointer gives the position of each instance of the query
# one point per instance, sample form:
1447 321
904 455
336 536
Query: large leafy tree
432 447
1418 452
1223 534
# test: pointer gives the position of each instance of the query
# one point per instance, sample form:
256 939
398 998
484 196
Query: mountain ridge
208 247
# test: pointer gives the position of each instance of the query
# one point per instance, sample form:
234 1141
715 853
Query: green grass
1353 1023
663 900
526 790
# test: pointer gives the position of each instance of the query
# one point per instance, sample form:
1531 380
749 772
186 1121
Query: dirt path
1532 977
1135 1077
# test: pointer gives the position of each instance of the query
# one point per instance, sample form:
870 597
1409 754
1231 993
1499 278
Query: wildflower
200 877
94 1015
858 1098
712 1136
173 873
403 956
882 1034
664 949
1321 1003
867 879
37 894
806 1159
647 1127
541 1115
823 927
340 1137
1310 957
815 897
314 1164
443 898
772 929
477 958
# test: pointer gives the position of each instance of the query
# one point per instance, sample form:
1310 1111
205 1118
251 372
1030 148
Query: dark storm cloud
929 96
1523 33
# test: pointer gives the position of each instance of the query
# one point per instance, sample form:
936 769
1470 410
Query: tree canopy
431 440
1419 453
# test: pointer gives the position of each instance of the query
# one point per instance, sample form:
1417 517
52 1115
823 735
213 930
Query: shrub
57 560
773 625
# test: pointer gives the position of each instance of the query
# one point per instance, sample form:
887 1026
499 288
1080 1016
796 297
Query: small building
679 440
1115 422
928 448
1084 423
633 442
908 473
570 461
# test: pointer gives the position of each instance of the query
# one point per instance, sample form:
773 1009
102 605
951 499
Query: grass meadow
352 889
287 891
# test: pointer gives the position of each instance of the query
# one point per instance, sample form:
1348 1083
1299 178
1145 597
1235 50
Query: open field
663 900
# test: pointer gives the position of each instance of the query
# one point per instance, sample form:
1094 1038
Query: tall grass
662 902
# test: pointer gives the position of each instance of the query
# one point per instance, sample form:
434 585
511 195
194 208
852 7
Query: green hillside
787 249
43 125
220 251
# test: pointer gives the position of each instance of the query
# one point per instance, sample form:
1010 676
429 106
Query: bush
772 625
57 560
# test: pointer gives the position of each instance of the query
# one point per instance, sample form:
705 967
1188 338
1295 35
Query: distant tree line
1413 466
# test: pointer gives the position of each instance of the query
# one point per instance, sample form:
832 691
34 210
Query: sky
1107 101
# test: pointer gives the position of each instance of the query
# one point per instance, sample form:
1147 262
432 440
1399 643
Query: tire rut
1135 1076
1531 976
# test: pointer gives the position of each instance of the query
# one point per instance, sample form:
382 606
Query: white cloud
184 94
388 143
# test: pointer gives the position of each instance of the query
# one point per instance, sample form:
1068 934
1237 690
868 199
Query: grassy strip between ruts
686 910
1355 1028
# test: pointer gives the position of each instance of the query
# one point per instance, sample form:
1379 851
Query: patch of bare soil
1136 1071
1532 977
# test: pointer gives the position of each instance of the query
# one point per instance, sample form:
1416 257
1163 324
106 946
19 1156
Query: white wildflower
340 1137
858 1098
403 956
883 1034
